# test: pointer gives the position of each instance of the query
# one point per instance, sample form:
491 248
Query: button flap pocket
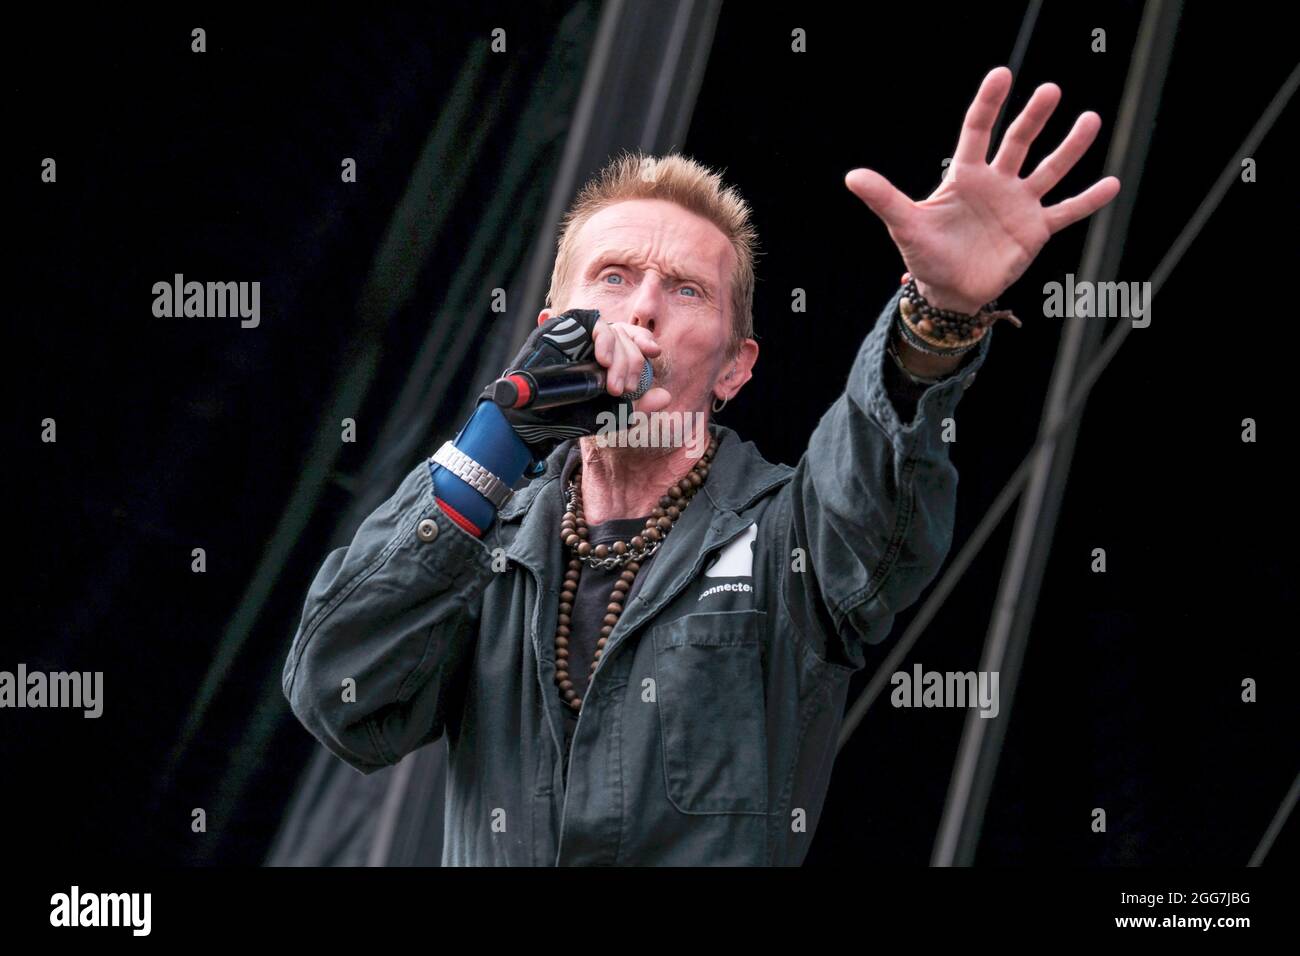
712 711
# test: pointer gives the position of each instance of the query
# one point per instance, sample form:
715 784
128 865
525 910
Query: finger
654 400
1069 211
1022 133
630 358
603 339
644 340
973 144
627 358
1062 159
881 197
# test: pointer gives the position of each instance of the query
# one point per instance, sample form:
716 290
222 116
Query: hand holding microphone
552 391
624 350
572 368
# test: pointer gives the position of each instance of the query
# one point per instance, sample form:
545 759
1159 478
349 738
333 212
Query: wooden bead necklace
625 554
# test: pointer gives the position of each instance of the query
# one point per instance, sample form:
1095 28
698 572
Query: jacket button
427 529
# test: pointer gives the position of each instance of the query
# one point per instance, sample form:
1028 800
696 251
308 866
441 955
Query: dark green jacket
708 732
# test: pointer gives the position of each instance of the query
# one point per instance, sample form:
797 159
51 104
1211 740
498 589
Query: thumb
654 400
879 194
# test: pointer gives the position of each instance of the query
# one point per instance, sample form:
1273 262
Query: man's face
654 264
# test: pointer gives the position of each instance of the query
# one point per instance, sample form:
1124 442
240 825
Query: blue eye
691 290
614 275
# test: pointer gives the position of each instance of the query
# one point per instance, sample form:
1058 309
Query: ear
542 316
736 371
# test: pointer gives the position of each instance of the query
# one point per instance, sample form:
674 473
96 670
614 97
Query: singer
640 656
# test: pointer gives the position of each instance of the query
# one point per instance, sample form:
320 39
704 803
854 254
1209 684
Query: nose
647 304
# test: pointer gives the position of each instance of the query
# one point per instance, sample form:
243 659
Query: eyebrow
678 275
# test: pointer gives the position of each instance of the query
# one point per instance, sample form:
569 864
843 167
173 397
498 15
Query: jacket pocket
712 711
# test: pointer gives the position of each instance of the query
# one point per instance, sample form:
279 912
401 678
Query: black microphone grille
645 384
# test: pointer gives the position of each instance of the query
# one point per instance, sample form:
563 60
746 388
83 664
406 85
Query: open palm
978 232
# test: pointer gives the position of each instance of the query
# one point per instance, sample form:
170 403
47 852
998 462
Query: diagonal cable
1279 821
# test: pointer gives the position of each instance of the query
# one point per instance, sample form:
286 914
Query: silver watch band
473 474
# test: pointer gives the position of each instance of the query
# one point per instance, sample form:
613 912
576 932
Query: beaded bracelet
943 324
891 350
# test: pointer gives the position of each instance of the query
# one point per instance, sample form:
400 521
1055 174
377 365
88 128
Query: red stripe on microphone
525 391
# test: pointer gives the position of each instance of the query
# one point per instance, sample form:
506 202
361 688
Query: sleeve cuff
935 402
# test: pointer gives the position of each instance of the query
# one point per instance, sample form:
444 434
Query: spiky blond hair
689 184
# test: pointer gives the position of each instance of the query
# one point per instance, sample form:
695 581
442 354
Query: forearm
386 623
873 498
923 364
489 441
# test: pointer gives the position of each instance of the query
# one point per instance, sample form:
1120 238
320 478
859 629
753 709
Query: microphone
552 385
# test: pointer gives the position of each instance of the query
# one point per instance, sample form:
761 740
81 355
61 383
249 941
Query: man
642 656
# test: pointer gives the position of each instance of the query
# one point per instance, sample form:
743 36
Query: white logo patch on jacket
733 561
736 560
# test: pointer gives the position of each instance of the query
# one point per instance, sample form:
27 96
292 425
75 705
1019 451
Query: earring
717 408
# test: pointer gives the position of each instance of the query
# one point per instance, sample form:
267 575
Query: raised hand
978 232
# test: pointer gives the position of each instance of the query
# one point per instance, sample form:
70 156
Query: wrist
490 439
944 299
922 365
489 442
939 332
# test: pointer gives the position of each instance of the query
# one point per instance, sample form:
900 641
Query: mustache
662 366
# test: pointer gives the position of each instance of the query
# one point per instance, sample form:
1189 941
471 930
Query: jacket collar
738 476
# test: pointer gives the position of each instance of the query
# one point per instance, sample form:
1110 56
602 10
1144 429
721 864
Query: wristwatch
473 474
